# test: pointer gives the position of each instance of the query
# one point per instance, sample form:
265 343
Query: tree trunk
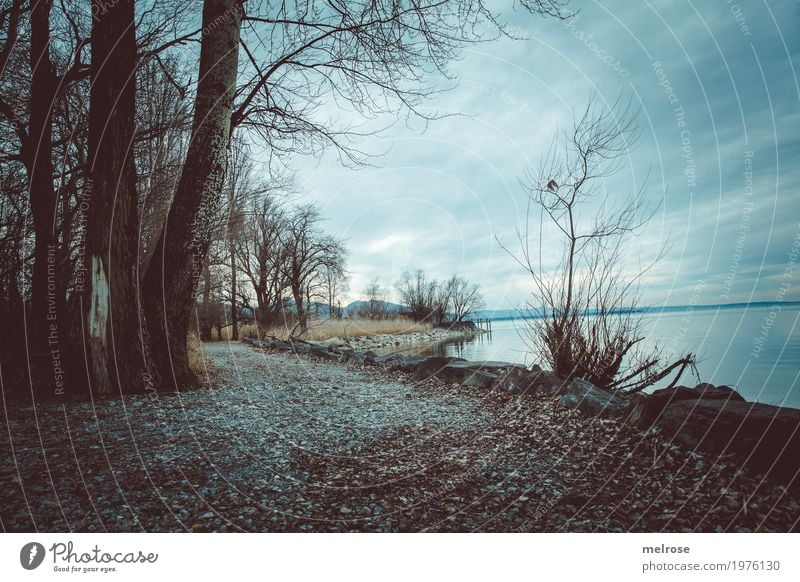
297 294
171 278
234 319
204 317
114 335
37 157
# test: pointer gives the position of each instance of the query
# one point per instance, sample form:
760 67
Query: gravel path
317 407
188 461
277 442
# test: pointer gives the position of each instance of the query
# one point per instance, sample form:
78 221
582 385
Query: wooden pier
483 324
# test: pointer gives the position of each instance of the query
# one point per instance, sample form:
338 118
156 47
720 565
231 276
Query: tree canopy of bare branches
285 78
430 300
584 316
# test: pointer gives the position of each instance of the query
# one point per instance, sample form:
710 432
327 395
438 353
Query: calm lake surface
755 349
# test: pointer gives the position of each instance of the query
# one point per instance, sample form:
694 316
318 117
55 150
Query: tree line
119 124
424 299
270 260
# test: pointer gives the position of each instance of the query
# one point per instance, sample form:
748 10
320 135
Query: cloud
442 197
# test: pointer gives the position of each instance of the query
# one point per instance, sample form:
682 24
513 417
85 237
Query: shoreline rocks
763 438
648 409
706 418
593 401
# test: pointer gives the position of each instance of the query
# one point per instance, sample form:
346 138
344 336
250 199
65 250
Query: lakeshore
291 441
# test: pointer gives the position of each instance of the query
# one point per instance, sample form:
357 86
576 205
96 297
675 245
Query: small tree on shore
584 317
419 294
374 306
464 298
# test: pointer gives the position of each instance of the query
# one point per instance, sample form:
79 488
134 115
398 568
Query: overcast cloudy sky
441 198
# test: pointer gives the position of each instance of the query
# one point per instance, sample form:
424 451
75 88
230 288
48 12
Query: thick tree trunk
114 334
234 319
204 319
171 278
47 325
299 301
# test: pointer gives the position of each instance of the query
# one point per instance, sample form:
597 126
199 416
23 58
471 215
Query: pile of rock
386 341
485 374
707 418
763 438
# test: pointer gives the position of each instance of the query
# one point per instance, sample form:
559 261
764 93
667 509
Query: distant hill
499 314
356 306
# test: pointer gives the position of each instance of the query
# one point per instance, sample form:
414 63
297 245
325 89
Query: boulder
484 374
433 366
546 383
338 344
763 438
593 401
411 363
480 379
706 390
362 358
389 361
647 410
321 352
486 366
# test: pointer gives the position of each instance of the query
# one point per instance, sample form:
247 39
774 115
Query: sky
718 153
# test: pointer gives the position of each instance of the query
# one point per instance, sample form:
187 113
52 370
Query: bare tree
260 255
306 251
333 282
374 306
419 294
112 324
584 320
371 57
463 298
171 279
163 129
37 155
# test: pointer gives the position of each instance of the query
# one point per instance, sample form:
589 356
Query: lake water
755 349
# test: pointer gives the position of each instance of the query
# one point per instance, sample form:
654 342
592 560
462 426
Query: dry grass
244 331
325 329
198 361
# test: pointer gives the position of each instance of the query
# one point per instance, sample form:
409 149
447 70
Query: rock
338 344
301 347
763 438
485 366
410 363
481 374
712 392
592 401
433 366
647 410
390 361
480 379
362 358
547 383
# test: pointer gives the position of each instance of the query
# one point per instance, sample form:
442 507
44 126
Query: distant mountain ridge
356 306
500 314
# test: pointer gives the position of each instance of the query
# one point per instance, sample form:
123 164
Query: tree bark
38 161
204 319
172 275
115 337
234 284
